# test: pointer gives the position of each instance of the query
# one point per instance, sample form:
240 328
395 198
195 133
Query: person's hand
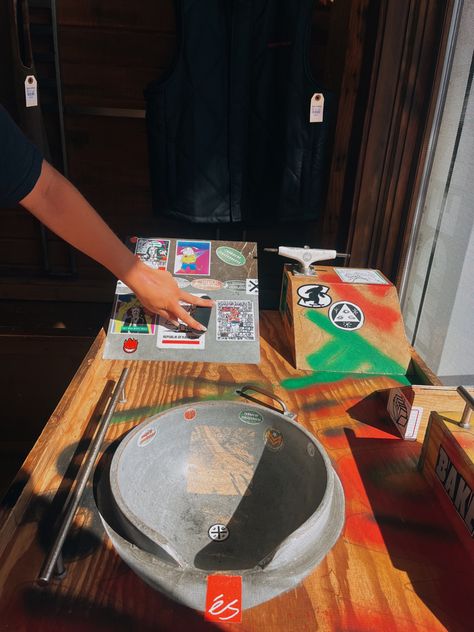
158 292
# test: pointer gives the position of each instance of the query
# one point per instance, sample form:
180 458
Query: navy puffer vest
229 132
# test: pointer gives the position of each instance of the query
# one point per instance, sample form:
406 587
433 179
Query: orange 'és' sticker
224 598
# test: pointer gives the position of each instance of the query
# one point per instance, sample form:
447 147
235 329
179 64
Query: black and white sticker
314 296
218 532
251 286
345 315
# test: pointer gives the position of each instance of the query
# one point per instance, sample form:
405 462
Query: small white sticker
311 449
251 286
316 110
146 437
218 532
361 275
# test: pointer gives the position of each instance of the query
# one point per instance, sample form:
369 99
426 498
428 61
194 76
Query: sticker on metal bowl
146 437
218 532
273 439
311 449
251 417
189 414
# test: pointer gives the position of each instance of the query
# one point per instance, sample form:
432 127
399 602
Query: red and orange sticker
224 598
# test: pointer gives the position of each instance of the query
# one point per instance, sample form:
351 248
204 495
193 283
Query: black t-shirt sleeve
20 162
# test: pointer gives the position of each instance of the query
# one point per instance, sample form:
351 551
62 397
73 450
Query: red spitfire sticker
130 345
146 437
224 598
190 414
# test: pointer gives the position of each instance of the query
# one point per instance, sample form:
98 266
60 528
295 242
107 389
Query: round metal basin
221 487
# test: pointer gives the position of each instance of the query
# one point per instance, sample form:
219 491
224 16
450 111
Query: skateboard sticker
235 321
314 296
193 257
146 437
356 275
231 256
130 345
189 414
273 439
251 417
207 284
345 315
224 598
236 285
251 286
130 317
153 252
171 336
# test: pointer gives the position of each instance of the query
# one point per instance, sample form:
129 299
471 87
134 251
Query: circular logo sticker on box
230 256
146 437
345 315
251 417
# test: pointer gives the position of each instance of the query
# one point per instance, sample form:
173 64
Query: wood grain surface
397 565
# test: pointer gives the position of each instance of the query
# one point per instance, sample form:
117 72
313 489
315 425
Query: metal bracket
256 389
468 408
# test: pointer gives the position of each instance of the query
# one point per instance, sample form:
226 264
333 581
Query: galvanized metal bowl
222 486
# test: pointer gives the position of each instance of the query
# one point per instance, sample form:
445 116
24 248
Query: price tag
316 108
31 92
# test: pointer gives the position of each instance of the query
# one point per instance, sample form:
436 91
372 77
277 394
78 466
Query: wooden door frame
408 57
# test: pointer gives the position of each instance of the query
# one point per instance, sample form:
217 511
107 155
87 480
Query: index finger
195 300
188 319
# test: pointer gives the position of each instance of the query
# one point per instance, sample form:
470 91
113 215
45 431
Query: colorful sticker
360 275
146 437
130 317
130 345
153 252
236 285
207 284
235 321
273 439
405 416
171 336
345 315
251 417
251 286
314 296
189 414
224 598
193 257
231 256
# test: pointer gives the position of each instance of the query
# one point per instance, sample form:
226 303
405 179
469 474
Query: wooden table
397 565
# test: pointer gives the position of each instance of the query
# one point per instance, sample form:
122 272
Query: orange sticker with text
224 598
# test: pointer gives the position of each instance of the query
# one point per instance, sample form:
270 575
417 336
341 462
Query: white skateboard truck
306 256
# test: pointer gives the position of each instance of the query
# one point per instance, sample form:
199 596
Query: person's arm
60 206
